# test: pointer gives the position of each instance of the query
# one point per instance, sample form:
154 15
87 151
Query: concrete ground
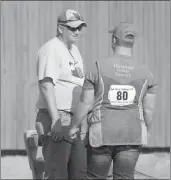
153 166
149 166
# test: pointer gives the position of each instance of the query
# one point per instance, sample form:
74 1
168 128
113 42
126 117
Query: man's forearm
48 93
149 107
148 117
80 114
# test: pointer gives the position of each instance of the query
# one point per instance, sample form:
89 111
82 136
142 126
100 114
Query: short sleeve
91 78
48 64
152 84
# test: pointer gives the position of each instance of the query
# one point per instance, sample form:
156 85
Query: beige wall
26 25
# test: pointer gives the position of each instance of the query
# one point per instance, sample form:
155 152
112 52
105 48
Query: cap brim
129 33
75 24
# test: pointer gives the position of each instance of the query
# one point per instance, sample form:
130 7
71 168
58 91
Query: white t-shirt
54 59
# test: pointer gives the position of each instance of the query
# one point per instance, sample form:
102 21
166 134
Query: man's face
70 34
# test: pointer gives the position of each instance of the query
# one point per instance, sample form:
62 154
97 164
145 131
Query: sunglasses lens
79 28
71 28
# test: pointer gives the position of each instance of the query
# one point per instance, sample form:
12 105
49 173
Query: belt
46 111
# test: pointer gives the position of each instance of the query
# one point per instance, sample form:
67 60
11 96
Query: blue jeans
124 162
63 160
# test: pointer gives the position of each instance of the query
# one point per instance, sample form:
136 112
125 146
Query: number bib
121 95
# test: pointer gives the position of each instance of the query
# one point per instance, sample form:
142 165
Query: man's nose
77 31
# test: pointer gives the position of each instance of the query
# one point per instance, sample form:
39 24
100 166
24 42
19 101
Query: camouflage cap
71 18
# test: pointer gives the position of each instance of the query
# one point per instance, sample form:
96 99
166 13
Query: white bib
121 95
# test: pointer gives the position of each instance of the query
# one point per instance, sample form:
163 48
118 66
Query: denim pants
63 160
124 161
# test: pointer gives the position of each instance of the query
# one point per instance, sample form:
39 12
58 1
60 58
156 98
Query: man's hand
73 132
148 132
56 130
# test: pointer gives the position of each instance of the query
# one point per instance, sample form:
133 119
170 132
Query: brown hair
128 41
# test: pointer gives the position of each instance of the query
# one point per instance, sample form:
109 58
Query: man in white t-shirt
60 79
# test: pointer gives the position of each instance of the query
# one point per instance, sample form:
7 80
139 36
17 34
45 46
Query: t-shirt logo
76 71
121 95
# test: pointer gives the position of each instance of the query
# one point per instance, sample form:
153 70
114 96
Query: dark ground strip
145 150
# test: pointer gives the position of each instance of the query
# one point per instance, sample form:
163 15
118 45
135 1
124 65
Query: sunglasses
79 28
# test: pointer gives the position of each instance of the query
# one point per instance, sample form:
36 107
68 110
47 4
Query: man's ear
113 42
113 39
60 29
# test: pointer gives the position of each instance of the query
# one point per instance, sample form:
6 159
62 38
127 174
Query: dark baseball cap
123 29
71 18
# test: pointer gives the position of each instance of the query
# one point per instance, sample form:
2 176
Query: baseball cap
122 30
71 18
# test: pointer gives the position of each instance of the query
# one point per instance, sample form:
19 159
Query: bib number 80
121 95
